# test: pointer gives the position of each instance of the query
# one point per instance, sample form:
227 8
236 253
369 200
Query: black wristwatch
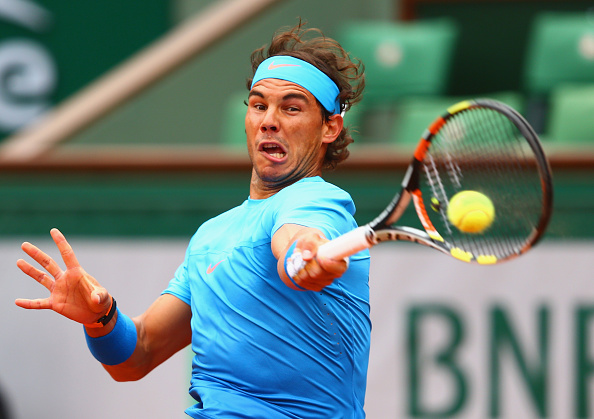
103 320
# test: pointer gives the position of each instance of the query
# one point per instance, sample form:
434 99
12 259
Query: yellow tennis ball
471 211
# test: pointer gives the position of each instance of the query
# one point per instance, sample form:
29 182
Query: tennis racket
478 145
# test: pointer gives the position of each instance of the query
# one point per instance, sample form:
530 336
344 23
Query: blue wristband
292 262
118 345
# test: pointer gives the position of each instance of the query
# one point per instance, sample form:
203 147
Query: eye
258 106
255 102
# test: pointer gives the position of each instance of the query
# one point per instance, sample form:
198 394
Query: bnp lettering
510 351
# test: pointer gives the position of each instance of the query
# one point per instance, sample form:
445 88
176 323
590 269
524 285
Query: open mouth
273 150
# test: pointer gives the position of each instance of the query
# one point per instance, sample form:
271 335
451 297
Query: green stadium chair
233 131
571 115
560 50
401 58
413 115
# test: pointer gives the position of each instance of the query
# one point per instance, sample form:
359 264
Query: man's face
287 136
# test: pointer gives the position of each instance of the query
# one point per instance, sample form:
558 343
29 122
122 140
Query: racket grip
348 244
340 248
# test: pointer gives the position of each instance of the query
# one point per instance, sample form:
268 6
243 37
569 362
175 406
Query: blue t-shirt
263 350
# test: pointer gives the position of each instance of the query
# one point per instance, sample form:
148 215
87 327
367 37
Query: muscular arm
163 330
317 273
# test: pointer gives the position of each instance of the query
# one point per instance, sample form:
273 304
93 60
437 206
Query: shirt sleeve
318 205
179 286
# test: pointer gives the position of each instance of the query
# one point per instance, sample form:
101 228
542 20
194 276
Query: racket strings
481 149
507 147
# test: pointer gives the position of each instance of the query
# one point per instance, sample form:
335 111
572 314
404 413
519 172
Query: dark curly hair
329 57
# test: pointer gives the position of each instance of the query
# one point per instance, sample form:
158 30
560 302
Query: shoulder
233 216
316 190
313 202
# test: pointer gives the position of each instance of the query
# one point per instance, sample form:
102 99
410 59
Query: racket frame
382 227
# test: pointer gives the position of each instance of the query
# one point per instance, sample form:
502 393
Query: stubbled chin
276 178
270 174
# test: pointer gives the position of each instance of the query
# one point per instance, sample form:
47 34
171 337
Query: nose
270 122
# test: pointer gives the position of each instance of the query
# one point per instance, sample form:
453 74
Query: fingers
100 296
38 304
317 273
65 249
332 266
35 273
42 258
308 246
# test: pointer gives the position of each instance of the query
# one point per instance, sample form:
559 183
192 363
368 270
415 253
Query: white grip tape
346 245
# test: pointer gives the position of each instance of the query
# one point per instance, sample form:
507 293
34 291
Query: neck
262 189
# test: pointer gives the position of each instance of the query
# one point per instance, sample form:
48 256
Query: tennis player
268 342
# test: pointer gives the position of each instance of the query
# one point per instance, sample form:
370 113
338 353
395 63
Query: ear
332 128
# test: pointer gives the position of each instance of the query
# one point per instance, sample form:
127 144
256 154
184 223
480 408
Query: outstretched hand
73 293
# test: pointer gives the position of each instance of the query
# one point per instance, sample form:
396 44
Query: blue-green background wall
187 108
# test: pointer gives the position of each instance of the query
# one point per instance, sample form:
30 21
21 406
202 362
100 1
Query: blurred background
121 123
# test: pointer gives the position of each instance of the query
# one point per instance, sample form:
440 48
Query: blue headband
305 75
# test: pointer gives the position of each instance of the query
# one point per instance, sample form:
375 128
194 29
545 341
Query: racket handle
340 248
348 244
